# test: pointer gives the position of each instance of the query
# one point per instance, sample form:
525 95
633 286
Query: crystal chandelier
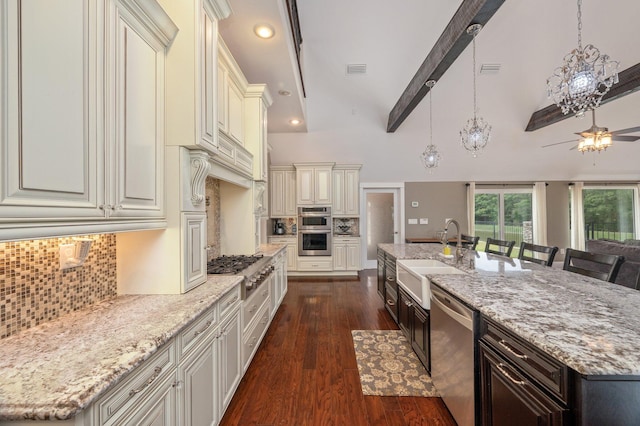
584 78
430 156
476 132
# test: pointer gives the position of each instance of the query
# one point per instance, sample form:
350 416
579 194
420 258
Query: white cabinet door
194 250
351 192
199 391
235 108
305 190
276 193
338 193
230 344
323 186
353 256
339 257
50 111
136 123
208 135
290 207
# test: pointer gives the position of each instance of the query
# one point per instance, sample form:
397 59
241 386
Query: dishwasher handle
453 308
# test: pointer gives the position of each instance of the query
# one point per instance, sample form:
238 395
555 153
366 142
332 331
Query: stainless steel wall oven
314 231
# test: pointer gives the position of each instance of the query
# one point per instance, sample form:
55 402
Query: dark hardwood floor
305 371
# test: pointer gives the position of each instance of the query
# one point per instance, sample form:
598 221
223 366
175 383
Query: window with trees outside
609 213
504 214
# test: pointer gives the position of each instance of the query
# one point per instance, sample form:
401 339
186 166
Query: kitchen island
590 326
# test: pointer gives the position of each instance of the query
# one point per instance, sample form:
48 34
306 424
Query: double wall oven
314 231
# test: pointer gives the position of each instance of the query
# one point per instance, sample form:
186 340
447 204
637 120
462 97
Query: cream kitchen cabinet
257 100
346 190
314 183
84 137
346 254
282 192
292 250
279 282
231 86
194 259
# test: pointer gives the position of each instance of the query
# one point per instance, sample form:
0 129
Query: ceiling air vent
353 69
489 68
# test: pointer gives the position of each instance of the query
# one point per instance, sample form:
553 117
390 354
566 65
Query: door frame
397 189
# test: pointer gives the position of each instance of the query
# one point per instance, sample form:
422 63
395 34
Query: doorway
381 213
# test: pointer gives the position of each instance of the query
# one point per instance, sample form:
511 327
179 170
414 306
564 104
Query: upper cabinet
314 183
257 100
231 87
346 187
82 109
282 191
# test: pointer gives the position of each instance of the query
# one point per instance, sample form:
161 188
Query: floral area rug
388 366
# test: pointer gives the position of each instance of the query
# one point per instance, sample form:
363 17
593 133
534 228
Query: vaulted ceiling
345 116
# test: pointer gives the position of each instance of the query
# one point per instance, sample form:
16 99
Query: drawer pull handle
232 301
390 279
264 293
253 309
504 344
197 332
501 366
154 376
390 302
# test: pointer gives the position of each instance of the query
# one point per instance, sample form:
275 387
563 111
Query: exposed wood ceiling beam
628 82
449 46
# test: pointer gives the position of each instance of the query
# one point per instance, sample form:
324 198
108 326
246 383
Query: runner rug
388 366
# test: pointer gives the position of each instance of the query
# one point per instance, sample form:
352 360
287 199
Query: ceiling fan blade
629 130
574 147
558 143
625 138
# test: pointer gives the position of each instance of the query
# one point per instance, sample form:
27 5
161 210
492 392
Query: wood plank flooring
305 370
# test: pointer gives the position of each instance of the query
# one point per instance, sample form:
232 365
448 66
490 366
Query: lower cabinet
520 384
381 276
405 312
391 287
278 282
189 381
346 254
420 335
292 250
315 263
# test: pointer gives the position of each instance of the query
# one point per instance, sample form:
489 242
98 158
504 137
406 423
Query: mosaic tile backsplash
34 290
212 191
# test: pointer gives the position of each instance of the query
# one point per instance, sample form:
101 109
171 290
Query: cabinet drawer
198 331
137 386
315 263
547 371
228 302
254 304
252 340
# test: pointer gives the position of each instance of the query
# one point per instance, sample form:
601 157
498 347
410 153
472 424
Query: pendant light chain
580 25
430 118
475 108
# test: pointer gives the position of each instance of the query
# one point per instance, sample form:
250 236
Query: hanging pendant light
476 132
430 156
584 77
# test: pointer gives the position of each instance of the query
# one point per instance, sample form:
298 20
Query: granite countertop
271 249
54 370
590 325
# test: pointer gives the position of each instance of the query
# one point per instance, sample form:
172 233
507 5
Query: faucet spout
459 254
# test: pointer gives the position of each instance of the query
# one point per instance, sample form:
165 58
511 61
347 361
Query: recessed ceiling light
294 121
283 92
264 30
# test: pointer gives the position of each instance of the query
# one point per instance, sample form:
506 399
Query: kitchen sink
411 276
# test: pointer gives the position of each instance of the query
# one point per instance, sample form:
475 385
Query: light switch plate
413 221
424 221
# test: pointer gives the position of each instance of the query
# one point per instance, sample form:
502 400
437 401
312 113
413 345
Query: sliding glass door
504 214
609 213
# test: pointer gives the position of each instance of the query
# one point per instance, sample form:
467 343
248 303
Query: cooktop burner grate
231 265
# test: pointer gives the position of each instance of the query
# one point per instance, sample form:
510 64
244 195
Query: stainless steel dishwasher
453 333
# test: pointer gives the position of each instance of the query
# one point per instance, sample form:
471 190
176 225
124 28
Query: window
608 213
504 214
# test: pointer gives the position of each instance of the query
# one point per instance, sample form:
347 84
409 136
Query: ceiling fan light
605 141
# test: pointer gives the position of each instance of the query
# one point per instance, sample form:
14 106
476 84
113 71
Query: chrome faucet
459 254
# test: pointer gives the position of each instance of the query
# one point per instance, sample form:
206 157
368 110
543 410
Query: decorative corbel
199 171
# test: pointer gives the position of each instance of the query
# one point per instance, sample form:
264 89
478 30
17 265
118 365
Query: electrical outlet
415 204
562 251
67 255
424 221
413 221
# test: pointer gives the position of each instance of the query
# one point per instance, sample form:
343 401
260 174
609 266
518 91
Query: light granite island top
590 325
57 369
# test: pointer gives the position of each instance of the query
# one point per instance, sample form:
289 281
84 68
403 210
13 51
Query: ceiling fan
598 138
